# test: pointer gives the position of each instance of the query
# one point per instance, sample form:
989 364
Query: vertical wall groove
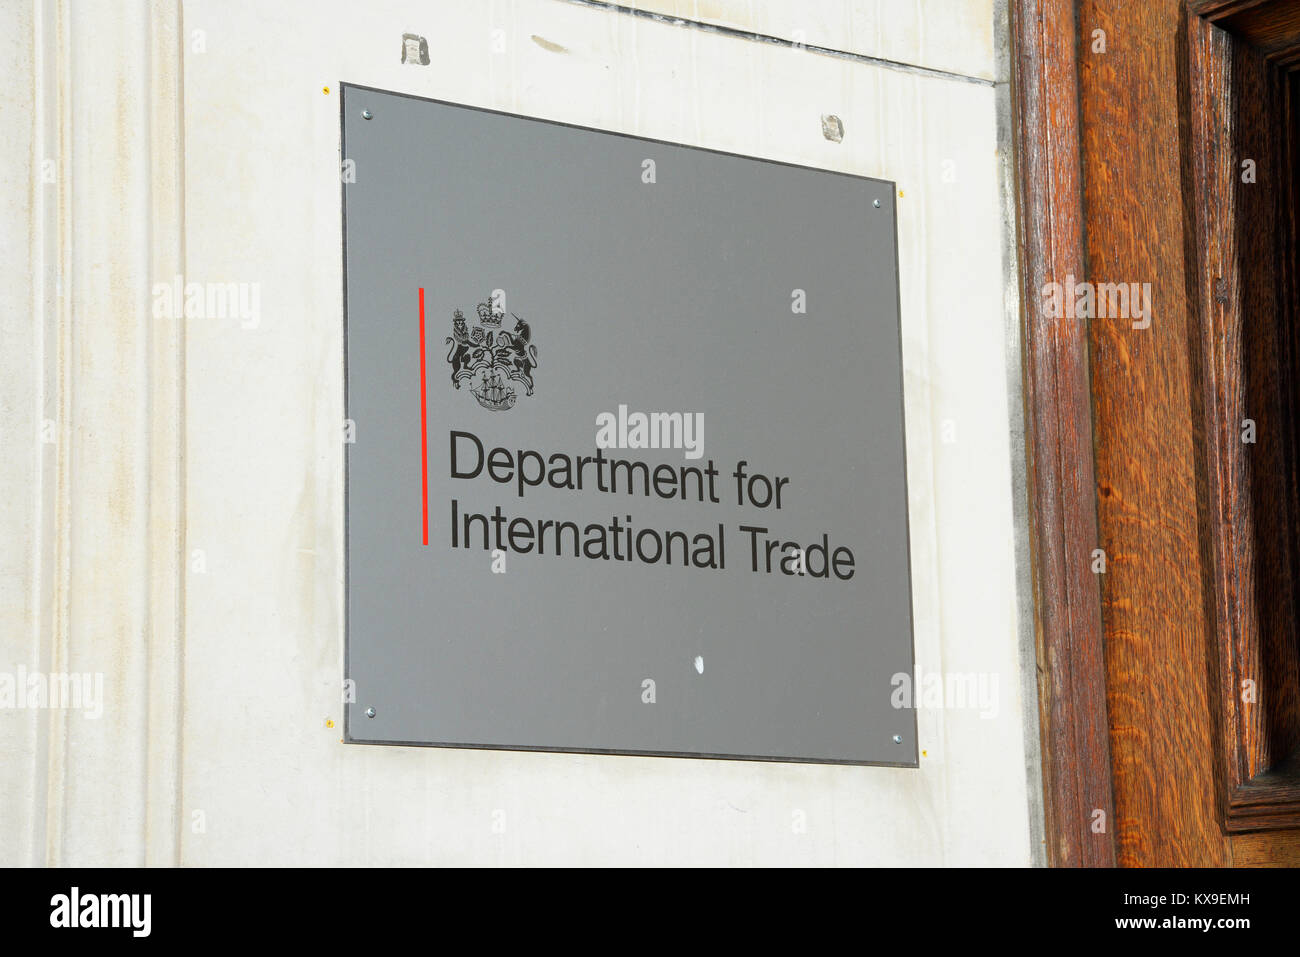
104 547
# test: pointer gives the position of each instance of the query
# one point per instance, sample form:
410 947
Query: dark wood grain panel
1272 29
1247 362
1215 10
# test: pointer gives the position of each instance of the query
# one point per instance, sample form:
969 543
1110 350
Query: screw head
370 712
876 203
898 738
367 115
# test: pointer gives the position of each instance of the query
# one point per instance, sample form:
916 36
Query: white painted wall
183 534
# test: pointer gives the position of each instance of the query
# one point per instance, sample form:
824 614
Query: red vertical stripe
424 430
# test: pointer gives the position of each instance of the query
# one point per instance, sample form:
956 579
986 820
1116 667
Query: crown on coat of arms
489 317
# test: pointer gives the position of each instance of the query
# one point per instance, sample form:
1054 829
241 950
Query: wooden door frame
1221 48
1058 442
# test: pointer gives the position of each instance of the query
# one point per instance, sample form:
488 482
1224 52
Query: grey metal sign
625 460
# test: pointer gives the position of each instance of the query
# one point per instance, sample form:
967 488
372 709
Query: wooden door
1156 150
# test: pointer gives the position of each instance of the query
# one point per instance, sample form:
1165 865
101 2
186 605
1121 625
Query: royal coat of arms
489 357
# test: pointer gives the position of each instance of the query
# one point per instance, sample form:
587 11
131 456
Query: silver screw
898 738
875 203
370 713
367 115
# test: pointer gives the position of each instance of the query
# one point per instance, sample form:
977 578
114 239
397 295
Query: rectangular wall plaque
625 469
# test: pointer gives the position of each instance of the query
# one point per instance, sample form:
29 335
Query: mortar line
753 37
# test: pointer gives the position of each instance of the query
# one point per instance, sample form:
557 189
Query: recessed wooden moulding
1242 204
